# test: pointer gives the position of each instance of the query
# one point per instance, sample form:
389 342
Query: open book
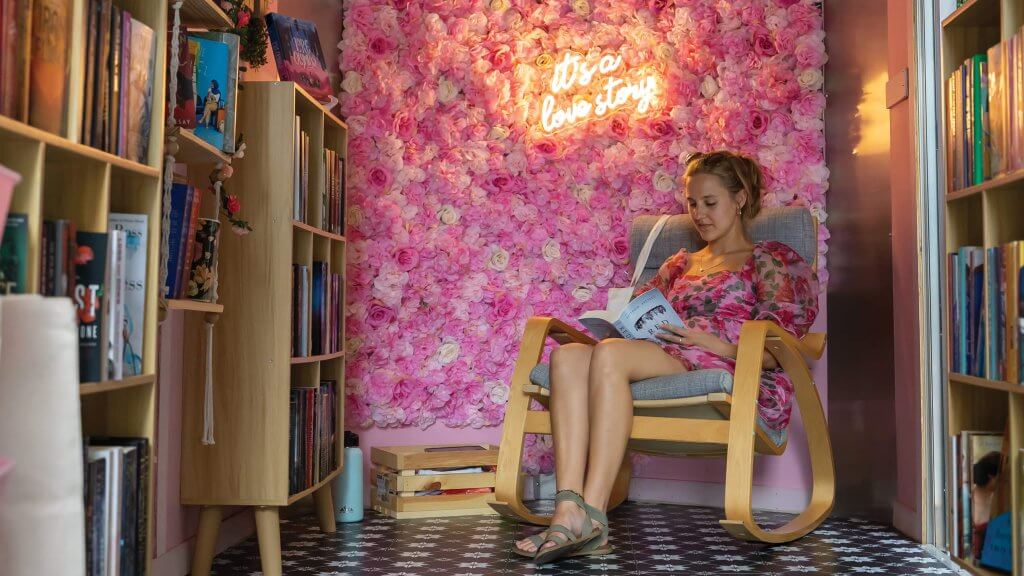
638 320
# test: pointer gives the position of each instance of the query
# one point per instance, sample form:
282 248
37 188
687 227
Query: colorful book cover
231 87
140 91
136 226
211 88
180 196
997 108
983 150
185 101
298 54
14 255
115 304
90 273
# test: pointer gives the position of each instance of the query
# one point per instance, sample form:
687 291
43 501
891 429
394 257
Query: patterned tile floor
648 539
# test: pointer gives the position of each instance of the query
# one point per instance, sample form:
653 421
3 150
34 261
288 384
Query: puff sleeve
786 288
672 268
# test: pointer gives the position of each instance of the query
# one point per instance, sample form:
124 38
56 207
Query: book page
642 318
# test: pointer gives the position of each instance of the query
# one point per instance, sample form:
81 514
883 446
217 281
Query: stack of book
184 218
301 176
116 505
105 276
985 123
334 193
117 104
312 435
979 512
986 286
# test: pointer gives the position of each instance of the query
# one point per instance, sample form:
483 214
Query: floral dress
774 284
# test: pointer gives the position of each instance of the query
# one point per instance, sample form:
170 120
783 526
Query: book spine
114 86
48 78
125 69
180 193
136 231
129 512
189 242
90 70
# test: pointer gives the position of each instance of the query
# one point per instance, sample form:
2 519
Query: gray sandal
571 544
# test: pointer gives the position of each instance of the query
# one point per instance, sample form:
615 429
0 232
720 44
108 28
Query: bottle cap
351 439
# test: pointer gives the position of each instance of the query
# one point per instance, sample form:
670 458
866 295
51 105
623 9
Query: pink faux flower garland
464 220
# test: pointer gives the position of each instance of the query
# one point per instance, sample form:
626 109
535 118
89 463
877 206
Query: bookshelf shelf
111 385
300 495
974 14
255 374
985 383
194 150
320 358
13 130
195 306
978 219
305 99
317 231
204 14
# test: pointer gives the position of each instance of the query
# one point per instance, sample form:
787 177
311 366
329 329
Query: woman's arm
768 362
711 343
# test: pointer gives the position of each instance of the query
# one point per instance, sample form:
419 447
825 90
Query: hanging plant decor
250 28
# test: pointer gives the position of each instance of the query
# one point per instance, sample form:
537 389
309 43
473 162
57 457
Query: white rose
810 79
498 132
353 82
665 51
498 391
447 352
583 192
708 87
355 216
515 162
663 181
581 7
583 293
352 345
498 260
550 250
499 5
446 91
447 214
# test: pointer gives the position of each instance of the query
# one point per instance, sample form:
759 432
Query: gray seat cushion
682 385
794 226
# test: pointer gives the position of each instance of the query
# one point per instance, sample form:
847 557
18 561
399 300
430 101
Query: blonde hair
736 172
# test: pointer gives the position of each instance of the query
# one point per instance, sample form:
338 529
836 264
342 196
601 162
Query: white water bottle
348 486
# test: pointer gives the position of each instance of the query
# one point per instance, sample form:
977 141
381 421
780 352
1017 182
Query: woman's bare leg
570 364
614 364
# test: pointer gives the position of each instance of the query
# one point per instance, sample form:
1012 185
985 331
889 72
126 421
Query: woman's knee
610 358
569 360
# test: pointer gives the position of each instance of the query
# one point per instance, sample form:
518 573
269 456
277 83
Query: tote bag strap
645 252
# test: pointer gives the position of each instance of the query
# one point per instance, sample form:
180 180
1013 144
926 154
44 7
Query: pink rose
407 258
378 315
546 147
619 125
810 52
379 178
763 44
757 122
404 125
504 308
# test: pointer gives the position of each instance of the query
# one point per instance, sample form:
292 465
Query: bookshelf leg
325 508
268 532
206 540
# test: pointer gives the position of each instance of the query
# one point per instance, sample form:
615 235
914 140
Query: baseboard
907 521
713 494
178 560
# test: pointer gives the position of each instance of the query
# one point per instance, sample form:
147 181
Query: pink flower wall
466 218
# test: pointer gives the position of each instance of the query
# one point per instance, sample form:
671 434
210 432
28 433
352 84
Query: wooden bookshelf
254 370
988 215
63 178
204 14
195 151
195 306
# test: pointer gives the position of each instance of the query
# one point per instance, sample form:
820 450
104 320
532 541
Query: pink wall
905 277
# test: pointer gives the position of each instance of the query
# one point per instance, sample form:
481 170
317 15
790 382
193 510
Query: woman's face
712 207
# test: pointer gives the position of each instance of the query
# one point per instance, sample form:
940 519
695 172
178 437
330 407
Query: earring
739 209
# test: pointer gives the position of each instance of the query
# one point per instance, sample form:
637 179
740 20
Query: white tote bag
618 298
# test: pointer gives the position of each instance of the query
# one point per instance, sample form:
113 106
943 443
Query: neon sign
583 89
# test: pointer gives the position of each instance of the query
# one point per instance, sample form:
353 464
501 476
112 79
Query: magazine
640 319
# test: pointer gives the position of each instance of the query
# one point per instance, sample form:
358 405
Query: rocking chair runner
699 413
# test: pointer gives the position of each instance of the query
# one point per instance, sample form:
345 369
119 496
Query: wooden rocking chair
715 415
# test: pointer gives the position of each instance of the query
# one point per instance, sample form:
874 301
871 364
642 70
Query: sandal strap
595 514
570 496
564 531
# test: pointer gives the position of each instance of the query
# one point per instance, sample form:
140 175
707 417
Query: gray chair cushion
794 226
682 385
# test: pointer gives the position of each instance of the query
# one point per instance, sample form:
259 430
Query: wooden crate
395 482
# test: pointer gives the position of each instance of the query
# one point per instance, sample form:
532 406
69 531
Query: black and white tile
648 539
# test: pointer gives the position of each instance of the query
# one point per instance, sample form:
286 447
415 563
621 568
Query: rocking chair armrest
810 346
557 330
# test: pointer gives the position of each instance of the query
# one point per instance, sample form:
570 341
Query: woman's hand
688 337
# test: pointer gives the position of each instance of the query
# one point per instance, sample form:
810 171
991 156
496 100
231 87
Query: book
298 54
112 109
136 228
136 483
139 91
640 319
187 247
48 74
211 76
185 100
230 87
115 294
14 255
181 194
90 272
99 495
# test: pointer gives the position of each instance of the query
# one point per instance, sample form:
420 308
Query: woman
714 290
